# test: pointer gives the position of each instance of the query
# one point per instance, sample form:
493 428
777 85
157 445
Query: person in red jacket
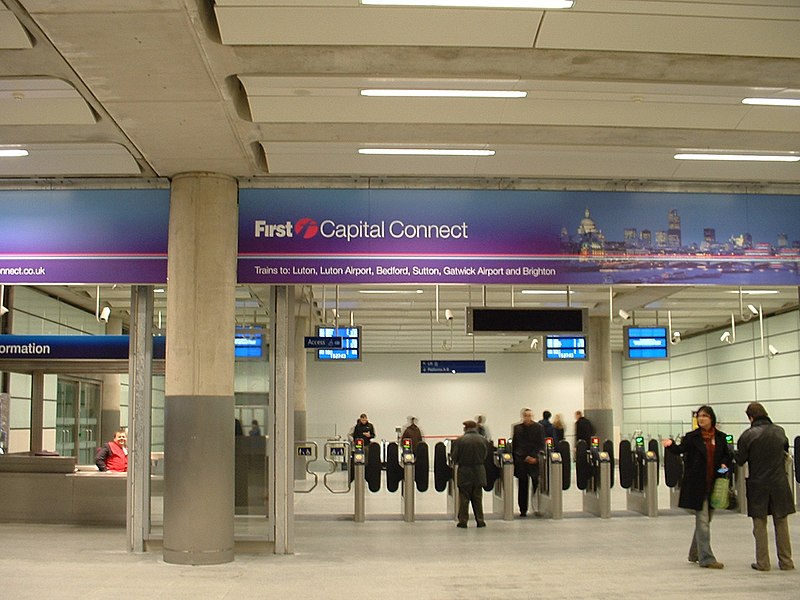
113 455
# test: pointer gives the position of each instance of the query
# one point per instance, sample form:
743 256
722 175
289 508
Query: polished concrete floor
626 556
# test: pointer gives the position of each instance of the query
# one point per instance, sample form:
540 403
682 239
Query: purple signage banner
84 236
516 237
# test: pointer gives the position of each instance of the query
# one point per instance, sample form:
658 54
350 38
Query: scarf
709 438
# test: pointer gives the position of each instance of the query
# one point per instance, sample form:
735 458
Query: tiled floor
627 556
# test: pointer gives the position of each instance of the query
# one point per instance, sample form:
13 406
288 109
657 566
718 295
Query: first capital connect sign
307 228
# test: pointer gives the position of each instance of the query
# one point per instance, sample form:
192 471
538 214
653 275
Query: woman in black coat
705 453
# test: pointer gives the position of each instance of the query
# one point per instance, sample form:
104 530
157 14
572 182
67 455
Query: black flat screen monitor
502 321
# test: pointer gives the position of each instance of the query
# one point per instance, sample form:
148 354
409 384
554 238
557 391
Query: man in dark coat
583 429
527 440
763 447
469 455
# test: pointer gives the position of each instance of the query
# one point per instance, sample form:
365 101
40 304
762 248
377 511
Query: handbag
720 493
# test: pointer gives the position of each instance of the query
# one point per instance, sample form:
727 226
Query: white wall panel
732 371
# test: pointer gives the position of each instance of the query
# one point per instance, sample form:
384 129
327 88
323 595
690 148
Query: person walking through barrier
469 455
527 440
412 432
706 456
764 448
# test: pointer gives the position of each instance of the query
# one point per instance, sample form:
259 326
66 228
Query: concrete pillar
199 398
112 393
597 401
300 373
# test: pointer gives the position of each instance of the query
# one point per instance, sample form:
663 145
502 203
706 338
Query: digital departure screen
645 343
565 347
248 344
351 344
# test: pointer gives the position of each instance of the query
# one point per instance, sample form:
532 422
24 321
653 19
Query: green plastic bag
720 495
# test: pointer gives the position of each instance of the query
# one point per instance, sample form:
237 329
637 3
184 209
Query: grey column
37 410
140 407
597 379
300 372
199 398
281 484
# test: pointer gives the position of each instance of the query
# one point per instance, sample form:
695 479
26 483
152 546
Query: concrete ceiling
268 91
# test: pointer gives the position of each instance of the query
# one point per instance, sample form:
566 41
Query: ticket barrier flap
308 451
549 495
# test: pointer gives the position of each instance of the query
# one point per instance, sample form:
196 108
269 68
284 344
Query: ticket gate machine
597 484
638 468
309 452
407 459
337 455
503 491
549 494
359 464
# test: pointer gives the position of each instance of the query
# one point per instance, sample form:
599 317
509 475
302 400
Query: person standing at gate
412 432
364 430
527 439
469 455
583 429
558 428
705 454
113 455
763 447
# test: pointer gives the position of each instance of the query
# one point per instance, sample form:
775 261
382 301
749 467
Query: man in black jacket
527 439
763 446
469 454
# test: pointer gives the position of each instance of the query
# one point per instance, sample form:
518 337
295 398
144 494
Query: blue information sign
453 366
643 343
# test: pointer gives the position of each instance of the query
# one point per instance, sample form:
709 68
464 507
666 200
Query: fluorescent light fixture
397 93
754 292
546 292
389 291
553 4
159 290
12 152
739 157
772 101
424 152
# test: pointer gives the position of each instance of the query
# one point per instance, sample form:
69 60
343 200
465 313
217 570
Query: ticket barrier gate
593 468
549 493
308 451
638 473
359 457
407 459
503 489
796 486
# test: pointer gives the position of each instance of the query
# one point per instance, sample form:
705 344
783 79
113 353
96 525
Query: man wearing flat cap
469 454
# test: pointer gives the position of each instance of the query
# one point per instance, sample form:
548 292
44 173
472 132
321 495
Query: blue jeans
701 541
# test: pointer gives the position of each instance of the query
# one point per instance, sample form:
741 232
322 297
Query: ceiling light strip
12 152
772 101
540 4
420 93
424 152
739 157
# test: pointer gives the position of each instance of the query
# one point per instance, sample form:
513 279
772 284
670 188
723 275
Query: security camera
3 310
676 337
624 314
105 314
535 344
725 337
773 350
448 314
